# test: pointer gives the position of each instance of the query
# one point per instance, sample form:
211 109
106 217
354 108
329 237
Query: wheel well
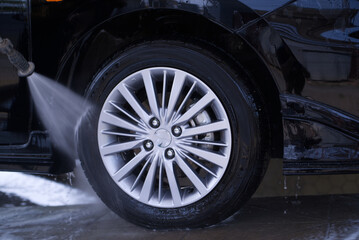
130 29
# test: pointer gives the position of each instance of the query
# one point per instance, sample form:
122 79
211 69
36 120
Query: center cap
162 138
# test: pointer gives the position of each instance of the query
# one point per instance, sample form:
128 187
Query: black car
190 98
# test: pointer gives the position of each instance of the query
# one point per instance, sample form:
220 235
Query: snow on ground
42 191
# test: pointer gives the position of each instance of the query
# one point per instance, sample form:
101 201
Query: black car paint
318 138
303 50
14 98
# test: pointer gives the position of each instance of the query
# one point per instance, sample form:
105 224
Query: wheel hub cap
164 137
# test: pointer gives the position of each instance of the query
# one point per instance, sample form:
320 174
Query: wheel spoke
164 89
203 129
160 179
110 118
108 132
126 113
212 143
199 164
130 166
140 174
147 188
192 176
185 100
151 92
120 147
172 180
177 86
196 108
207 155
134 103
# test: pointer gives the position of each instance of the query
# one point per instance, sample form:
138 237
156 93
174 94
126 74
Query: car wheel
175 138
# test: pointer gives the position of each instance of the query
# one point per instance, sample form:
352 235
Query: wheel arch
114 35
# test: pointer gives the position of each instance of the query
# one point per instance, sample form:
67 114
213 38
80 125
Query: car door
14 97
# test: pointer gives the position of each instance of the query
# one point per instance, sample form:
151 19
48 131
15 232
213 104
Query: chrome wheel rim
164 137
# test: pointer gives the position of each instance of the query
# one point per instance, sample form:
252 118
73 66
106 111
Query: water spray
24 67
61 110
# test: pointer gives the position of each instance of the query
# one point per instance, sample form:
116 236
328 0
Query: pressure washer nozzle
24 67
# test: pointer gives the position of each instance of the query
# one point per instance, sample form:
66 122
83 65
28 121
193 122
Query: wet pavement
319 217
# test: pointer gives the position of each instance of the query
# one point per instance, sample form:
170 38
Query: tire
182 165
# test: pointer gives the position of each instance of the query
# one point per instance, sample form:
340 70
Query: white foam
42 191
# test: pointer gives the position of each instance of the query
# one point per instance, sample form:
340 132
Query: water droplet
285 194
69 177
297 187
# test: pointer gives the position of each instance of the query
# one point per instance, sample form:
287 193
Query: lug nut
154 122
170 153
148 145
176 131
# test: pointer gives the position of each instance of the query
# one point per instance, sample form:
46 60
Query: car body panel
318 138
14 100
324 37
308 48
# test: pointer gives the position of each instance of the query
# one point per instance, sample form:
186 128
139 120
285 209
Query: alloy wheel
164 137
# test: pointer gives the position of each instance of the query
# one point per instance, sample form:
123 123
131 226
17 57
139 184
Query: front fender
77 21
